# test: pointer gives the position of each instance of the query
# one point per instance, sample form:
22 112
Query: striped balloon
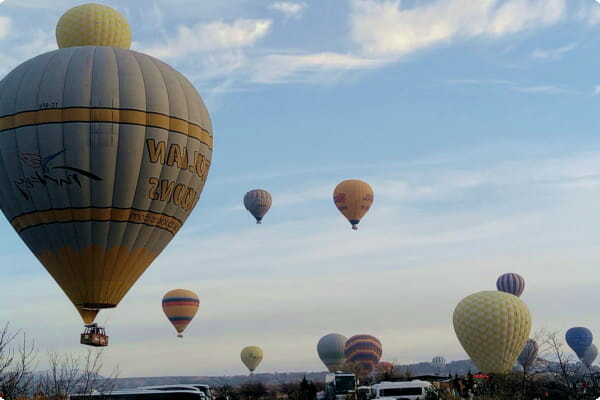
180 306
364 350
258 202
511 283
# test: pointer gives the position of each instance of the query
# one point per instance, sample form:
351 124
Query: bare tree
68 374
15 364
566 369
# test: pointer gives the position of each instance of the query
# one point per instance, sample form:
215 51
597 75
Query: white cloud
211 37
553 54
283 67
288 9
385 28
5 26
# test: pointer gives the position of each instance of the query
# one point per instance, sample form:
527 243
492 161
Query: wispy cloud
211 37
289 9
306 67
386 28
513 86
553 54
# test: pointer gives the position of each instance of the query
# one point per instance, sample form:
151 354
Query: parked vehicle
411 390
341 386
142 394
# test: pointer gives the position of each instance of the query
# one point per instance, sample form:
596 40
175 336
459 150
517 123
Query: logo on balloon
58 175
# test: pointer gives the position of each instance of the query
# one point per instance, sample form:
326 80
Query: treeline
65 374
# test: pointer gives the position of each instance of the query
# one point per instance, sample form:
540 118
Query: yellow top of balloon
93 25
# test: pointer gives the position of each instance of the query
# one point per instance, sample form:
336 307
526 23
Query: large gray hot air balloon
258 202
528 354
590 355
103 155
331 351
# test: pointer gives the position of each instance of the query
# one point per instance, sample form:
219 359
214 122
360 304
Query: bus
142 394
340 386
204 389
411 390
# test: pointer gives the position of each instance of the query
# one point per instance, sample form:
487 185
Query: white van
412 390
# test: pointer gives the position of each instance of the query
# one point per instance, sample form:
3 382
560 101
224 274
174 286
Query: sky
475 123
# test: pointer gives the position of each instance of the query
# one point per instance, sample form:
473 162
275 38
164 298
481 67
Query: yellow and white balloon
492 327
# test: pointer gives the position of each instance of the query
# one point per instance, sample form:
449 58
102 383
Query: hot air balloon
579 339
180 306
511 283
331 351
103 155
364 350
438 361
93 25
258 202
492 327
529 354
590 355
251 357
353 198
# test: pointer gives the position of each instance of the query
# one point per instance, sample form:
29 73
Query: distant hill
424 368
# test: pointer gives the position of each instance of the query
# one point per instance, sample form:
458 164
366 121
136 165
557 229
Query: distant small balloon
528 354
331 351
180 306
438 361
579 339
258 202
511 283
353 198
251 356
590 355
384 366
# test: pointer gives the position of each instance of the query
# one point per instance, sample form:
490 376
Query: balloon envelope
492 327
364 350
257 202
180 306
353 198
103 155
93 25
590 355
384 366
331 351
528 354
88 316
251 357
579 339
511 283
438 361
